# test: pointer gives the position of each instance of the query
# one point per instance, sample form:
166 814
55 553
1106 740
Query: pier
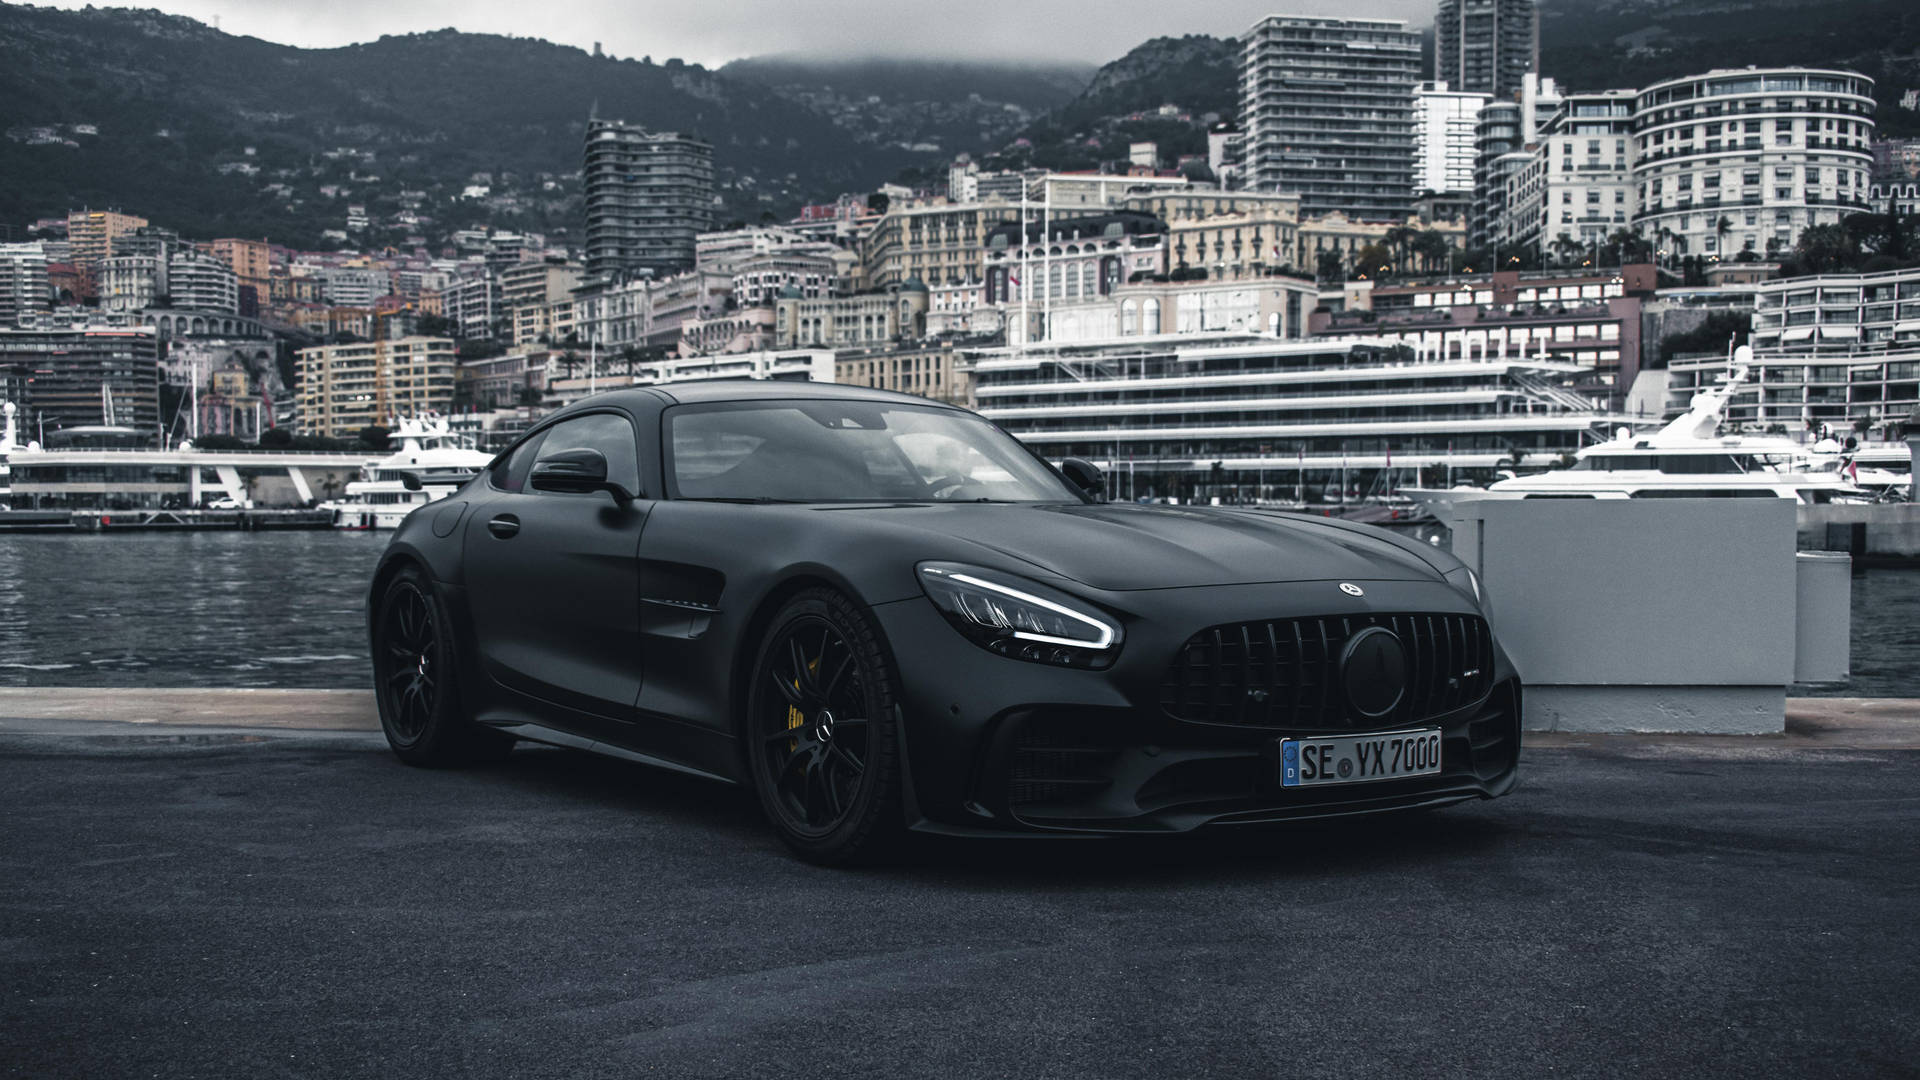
190 877
102 521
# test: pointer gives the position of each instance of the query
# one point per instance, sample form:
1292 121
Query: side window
609 433
509 471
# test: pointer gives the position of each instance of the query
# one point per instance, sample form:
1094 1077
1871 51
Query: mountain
1595 44
142 110
1198 74
931 106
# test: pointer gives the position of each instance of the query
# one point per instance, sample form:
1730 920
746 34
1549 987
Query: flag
1853 470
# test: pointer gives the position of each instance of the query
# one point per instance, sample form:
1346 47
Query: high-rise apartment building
344 388
1576 187
1503 135
252 264
83 377
1327 105
1747 159
1486 46
93 234
648 195
24 289
1443 138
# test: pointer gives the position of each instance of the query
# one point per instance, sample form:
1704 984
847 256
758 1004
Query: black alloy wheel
412 649
415 671
820 740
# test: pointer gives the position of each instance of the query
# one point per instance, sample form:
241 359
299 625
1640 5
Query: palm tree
1400 240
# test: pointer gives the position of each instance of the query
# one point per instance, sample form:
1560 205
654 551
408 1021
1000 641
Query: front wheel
820 737
415 664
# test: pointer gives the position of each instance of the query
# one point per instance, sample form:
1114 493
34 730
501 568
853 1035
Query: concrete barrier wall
1641 615
1891 530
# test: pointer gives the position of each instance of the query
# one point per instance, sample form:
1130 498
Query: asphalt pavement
193 902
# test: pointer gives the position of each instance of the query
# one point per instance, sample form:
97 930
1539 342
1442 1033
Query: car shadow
731 816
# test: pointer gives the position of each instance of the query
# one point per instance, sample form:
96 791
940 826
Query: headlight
1019 618
1467 582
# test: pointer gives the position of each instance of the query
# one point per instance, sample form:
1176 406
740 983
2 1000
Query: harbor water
287 609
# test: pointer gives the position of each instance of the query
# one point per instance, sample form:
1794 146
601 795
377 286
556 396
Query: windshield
850 451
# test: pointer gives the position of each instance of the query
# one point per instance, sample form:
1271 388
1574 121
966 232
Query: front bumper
996 744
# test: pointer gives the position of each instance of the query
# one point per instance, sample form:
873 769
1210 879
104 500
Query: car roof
720 390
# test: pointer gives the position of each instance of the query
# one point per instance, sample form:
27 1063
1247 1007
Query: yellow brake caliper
795 718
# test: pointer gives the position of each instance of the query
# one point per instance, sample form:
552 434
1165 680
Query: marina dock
162 520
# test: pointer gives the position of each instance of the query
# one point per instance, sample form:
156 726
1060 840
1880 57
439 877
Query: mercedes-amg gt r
887 615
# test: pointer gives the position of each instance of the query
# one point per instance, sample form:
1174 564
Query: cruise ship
1247 417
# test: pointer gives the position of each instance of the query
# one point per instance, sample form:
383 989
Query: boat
1686 459
431 464
9 442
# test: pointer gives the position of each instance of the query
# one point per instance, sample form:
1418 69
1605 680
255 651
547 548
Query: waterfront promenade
220 883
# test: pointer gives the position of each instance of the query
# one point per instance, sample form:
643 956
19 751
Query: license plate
1354 759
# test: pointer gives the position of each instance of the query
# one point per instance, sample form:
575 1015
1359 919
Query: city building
846 322
1836 350
1444 126
25 290
1080 192
94 234
785 365
1273 305
252 265
1238 416
932 370
1067 259
1589 323
1486 46
354 286
1229 234
1503 137
939 243
1575 188
507 382
128 283
648 197
84 377
343 388
739 330
1327 105
1339 235
197 282
1747 159
472 304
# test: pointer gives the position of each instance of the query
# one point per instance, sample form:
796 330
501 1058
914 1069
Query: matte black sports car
887 615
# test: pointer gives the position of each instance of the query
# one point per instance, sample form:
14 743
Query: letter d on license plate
1353 759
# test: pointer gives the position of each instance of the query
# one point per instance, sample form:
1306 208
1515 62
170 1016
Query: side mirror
577 472
1085 476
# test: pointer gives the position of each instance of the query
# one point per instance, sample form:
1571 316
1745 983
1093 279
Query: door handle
506 526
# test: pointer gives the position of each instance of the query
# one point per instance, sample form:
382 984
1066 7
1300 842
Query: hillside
1198 74
140 109
932 106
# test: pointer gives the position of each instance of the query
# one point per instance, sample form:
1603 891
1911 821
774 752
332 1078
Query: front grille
1286 673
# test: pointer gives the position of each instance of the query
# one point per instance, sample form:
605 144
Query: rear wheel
821 743
415 664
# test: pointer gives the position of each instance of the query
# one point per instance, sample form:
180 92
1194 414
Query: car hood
1121 546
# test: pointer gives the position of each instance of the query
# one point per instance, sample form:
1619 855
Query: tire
416 667
820 732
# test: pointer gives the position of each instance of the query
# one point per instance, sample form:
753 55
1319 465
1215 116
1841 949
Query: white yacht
1686 459
430 452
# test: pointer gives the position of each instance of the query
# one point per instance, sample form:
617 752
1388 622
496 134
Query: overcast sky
712 32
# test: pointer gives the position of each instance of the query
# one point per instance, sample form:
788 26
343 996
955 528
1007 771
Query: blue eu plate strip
1289 764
